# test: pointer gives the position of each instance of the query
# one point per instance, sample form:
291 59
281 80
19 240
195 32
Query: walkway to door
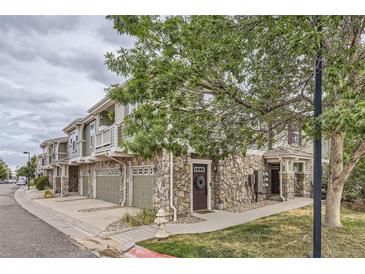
221 219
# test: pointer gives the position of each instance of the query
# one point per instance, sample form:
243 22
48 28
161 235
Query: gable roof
54 140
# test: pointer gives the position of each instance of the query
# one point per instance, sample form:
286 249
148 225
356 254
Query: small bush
351 195
48 194
41 183
144 217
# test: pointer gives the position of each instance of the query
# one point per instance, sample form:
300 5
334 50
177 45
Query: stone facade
73 185
288 183
303 185
182 184
232 181
64 186
161 182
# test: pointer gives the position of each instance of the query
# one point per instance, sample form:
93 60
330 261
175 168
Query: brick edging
141 252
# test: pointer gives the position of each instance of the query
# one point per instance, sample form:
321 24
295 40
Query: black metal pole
28 173
317 165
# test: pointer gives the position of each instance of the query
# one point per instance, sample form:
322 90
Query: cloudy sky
51 71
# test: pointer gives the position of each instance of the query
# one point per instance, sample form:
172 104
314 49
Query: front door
200 186
275 179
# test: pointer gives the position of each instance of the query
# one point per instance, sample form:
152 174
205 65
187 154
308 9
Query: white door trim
209 165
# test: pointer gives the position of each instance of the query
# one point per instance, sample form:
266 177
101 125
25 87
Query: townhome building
97 166
51 162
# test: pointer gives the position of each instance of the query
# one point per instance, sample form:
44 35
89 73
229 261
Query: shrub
351 195
48 194
144 217
41 183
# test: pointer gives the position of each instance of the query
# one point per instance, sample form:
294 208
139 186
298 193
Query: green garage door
85 185
108 186
142 191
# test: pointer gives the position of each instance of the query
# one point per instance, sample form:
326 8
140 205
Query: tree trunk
334 192
339 174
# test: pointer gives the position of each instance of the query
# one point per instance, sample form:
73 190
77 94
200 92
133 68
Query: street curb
69 226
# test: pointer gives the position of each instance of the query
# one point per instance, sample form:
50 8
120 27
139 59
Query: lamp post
26 152
317 163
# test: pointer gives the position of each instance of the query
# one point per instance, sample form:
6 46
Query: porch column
64 181
54 183
288 180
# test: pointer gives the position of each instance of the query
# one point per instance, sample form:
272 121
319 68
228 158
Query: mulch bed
188 219
116 226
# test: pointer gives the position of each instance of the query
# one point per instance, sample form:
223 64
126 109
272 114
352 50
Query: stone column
161 182
64 181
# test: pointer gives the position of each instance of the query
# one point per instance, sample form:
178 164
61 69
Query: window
298 167
295 138
92 133
73 140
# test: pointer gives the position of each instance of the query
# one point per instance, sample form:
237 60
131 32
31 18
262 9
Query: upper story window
92 132
73 140
293 136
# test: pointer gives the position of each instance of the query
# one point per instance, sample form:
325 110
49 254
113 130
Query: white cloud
51 71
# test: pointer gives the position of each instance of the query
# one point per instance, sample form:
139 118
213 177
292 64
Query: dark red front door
200 187
275 179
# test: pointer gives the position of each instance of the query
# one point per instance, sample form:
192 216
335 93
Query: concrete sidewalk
221 219
216 220
85 233
79 218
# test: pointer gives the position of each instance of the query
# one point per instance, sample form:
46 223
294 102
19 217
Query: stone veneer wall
57 185
288 182
161 182
182 184
64 186
232 186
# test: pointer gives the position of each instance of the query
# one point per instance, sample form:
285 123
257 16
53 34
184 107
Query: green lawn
283 235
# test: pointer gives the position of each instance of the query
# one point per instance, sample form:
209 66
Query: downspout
124 177
281 179
172 186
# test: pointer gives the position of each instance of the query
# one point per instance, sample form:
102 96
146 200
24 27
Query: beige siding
119 113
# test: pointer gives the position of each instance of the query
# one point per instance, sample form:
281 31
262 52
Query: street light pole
28 177
317 165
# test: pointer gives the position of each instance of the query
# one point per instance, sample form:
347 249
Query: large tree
29 169
3 170
220 83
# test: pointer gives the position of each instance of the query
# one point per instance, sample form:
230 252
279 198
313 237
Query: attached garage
108 185
142 187
85 184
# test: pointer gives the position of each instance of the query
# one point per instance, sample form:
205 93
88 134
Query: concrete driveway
95 212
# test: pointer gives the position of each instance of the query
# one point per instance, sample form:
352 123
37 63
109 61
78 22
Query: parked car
4 181
22 180
12 181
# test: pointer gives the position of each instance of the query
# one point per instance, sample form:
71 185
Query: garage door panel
107 188
85 185
142 191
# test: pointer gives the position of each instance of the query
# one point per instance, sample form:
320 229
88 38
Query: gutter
124 177
172 186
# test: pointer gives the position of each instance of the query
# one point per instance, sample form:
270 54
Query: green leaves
220 83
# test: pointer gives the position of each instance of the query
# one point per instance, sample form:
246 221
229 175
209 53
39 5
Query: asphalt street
23 235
